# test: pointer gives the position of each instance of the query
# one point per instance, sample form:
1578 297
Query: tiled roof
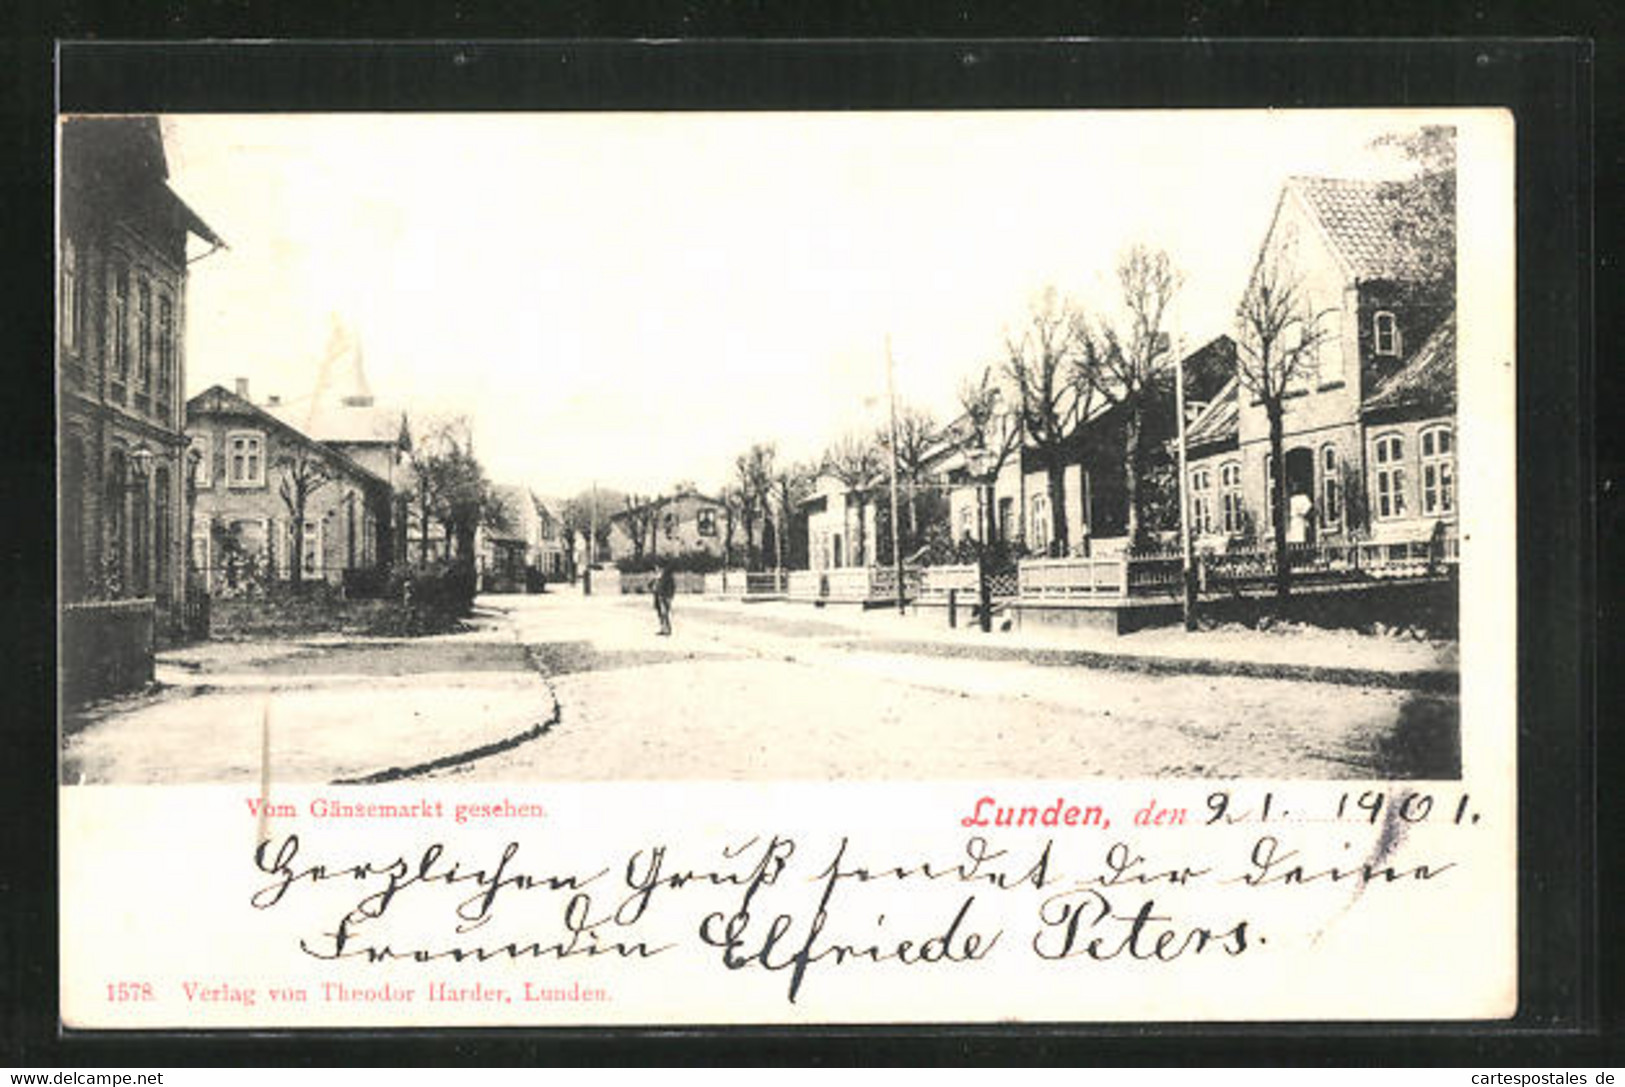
1217 423
1359 218
216 400
1427 383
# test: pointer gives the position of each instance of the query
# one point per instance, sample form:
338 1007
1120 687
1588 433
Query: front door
1300 495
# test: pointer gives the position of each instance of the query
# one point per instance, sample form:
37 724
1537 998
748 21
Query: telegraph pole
896 545
1188 595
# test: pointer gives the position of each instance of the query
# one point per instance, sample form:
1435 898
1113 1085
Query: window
1331 488
200 548
1041 528
1385 334
247 462
200 451
1202 500
311 556
166 346
143 335
1390 455
1438 471
706 521
669 521
1006 515
967 522
1230 495
70 294
121 323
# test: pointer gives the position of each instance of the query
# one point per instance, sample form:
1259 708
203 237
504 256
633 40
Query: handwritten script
772 902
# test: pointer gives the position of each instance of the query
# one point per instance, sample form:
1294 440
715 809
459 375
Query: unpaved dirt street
560 687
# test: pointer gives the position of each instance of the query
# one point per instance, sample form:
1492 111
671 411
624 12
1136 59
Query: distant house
552 558
121 366
841 523
507 550
1024 511
1370 433
680 524
247 464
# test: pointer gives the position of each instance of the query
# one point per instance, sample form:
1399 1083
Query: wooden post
1188 595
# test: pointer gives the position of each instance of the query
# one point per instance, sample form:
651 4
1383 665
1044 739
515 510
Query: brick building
121 368
248 463
1370 432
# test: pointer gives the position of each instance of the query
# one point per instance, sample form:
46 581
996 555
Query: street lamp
980 461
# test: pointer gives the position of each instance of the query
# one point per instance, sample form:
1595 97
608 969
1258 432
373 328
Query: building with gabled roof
1369 428
247 463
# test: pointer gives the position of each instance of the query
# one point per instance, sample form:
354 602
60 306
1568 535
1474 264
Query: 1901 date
1369 806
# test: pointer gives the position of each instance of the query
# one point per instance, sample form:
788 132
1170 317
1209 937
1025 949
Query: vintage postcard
726 568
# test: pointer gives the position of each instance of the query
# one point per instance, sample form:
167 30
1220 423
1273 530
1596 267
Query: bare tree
753 472
1041 363
640 514
1278 336
1126 361
304 471
791 483
854 461
993 436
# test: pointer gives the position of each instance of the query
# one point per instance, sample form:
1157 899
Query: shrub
435 595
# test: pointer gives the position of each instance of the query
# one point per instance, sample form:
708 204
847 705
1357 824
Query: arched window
1389 455
1331 488
1230 495
73 518
1202 500
1438 471
143 334
113 499
120 330
161 531
1385 334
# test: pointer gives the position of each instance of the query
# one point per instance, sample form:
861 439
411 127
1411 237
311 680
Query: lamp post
896 540
1188 575
980 462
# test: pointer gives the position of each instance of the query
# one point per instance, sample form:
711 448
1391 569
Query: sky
634 299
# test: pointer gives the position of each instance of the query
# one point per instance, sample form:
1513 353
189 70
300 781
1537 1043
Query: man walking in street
665 587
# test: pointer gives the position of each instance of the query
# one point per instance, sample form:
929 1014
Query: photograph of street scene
759 446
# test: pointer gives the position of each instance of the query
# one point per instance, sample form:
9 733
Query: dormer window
1385 334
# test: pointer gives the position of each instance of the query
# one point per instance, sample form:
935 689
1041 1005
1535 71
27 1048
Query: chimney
273 401
242 387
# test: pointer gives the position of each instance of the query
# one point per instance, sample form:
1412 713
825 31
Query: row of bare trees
1069 364
449 490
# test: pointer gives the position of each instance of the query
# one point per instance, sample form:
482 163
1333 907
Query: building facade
682 524
1369 425
121 366
248 469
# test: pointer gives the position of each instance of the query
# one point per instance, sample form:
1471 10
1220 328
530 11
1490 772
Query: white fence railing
804 584
937 581
1091 578
743 583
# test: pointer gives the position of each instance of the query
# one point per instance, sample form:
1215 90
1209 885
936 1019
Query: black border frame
1548 84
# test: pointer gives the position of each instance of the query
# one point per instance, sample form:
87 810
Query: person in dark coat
665 587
